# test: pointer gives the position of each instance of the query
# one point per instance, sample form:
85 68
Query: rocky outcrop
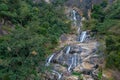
78 58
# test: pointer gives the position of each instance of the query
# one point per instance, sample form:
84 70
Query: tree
36 31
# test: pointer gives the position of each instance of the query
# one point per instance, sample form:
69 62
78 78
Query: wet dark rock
65 49
75 49
96 66
87 72
94 50
93 60
55 61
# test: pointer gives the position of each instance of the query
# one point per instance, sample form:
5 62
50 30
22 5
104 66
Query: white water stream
49 60
68 50
70 65
75 56
83 36
75 60
59 75
74 17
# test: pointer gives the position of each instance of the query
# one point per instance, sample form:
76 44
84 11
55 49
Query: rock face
78 59
84 5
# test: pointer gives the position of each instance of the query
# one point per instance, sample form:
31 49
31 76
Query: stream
79 57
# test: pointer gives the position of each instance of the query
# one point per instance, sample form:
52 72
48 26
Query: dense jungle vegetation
34 30
107 23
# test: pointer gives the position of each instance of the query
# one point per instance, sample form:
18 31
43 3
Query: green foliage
98 13
109 28
114 10
76 73
35 35
113 50
58 2
3 7
100 75
104 4
24 12
107 24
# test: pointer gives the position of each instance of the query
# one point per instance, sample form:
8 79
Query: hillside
29 32
84 47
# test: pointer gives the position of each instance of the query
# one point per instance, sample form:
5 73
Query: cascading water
70 65
68 50
78 31
75 59
72 55
83 36
74 17
49 60
59 75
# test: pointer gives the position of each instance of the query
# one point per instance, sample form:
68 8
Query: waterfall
59 75
70 65
49 60
83 36
78 31
75 59
68 50
74 17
